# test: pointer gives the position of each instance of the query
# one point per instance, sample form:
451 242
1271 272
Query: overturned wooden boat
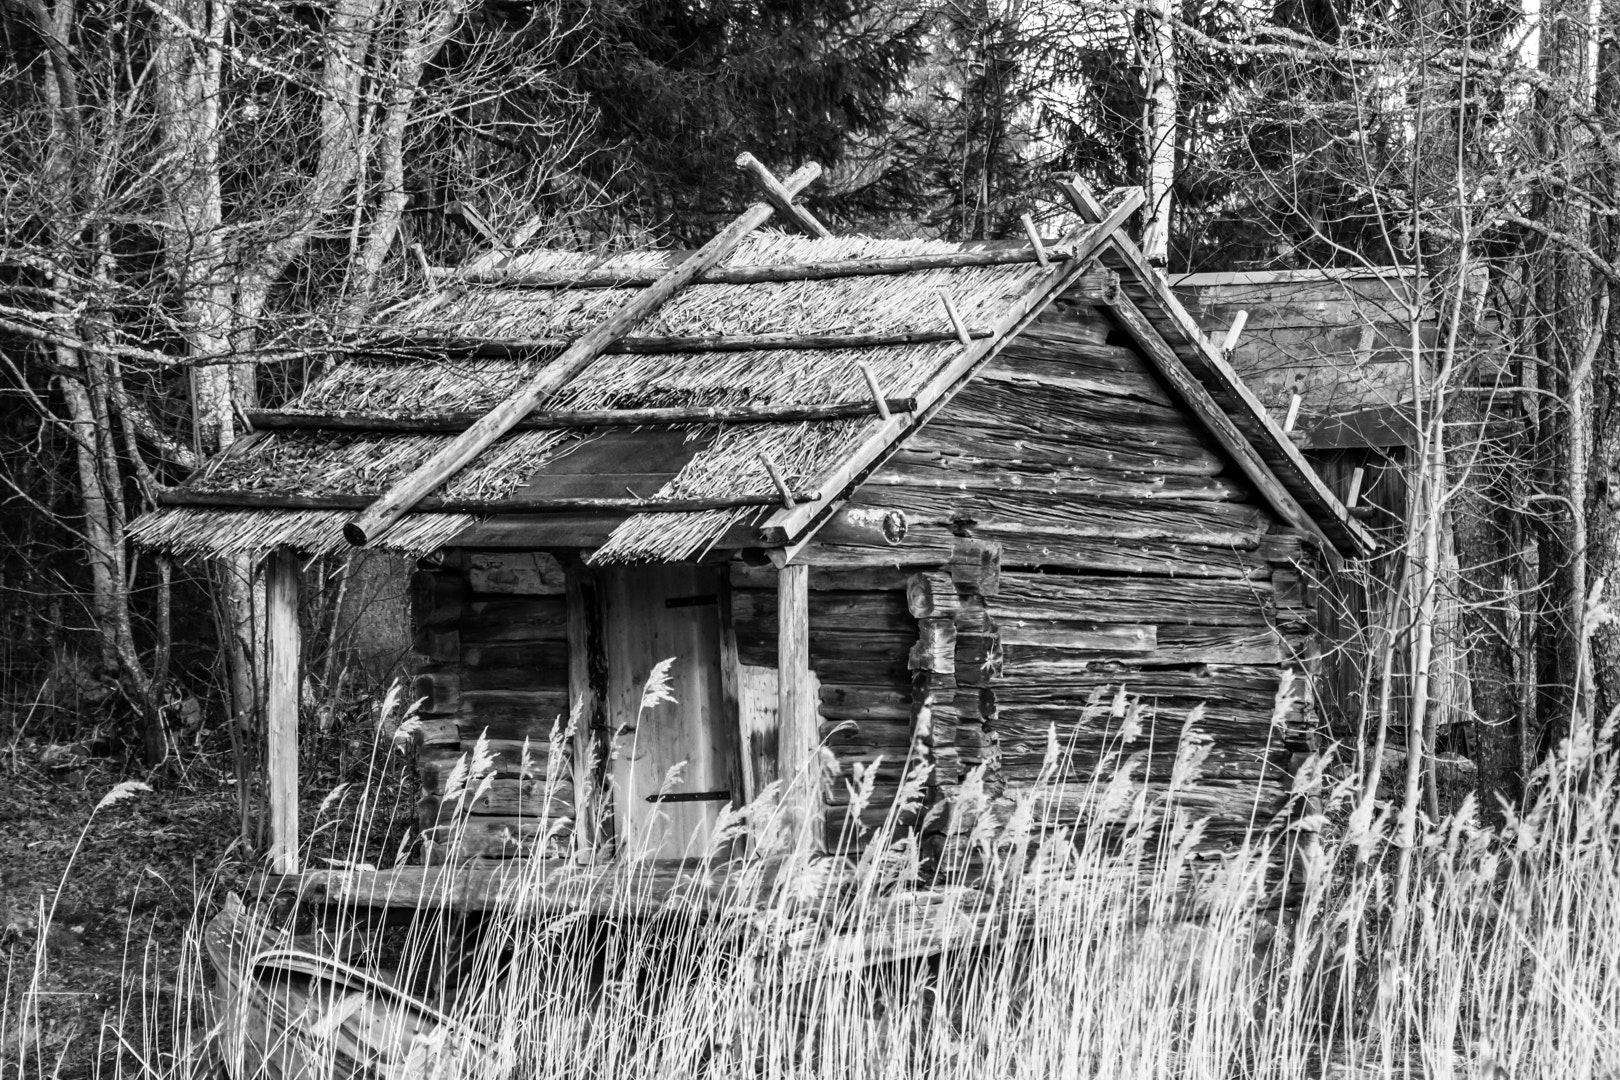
284 1013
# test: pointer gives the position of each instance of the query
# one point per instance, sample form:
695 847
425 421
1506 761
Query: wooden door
650 614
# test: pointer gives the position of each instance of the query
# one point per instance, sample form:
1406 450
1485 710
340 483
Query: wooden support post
1035 242
955 316
782 489
1353 496
281 708
1293 413
798 738
877 391
1233 333
589 749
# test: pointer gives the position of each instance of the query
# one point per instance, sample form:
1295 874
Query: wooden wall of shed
861 636
1133 559
492 661
1342 343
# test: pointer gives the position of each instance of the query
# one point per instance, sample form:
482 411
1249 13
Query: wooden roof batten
641 344
455 422
399 499
821 270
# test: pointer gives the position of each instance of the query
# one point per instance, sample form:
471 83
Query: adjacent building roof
739 413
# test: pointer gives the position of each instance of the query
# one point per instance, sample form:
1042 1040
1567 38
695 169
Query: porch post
585 709
797 733
281 708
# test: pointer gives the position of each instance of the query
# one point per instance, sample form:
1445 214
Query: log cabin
894 508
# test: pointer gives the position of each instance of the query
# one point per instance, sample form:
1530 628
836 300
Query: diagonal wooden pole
398 500
780 197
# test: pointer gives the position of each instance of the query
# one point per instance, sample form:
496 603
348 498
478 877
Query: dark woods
201 200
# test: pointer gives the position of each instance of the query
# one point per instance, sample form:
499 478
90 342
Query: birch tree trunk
1159 128
1564 291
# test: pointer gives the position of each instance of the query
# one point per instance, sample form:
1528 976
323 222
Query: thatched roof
465 347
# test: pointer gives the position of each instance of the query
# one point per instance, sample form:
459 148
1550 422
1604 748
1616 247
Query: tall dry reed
1124 950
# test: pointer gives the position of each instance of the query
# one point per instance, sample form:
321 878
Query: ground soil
95 905
93 926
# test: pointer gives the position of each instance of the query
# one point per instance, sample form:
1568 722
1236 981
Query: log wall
1086 567
491 660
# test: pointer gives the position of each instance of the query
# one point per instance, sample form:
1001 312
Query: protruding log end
355 534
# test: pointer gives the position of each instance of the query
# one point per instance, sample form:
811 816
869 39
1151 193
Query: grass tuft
1131 948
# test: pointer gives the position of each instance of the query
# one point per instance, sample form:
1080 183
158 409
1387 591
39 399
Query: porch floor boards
907 923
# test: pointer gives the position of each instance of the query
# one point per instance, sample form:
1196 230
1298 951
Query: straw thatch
307 462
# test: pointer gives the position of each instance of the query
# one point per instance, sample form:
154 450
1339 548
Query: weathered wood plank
283 683
1035 513
797 723
1088 759
437 597
932 595
529 573
531 618
754 611
830 647
546 660
502 798
438 692
934 648
587 683
1021 550
1228 685
538 731
865 704
1066 415
497 838
1065 598
976 567
955 476
758 710
885 578
1249 645
436 646
962 437
907 555
523 679
1229 808
1080 636
536 710
1037 359
507 759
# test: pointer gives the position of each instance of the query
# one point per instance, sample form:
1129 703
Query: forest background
199 199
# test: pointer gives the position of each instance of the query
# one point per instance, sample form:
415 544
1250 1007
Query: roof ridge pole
452 458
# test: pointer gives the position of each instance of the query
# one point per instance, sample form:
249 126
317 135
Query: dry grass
1498 959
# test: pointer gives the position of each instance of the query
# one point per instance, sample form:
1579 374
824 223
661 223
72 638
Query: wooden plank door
651 614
